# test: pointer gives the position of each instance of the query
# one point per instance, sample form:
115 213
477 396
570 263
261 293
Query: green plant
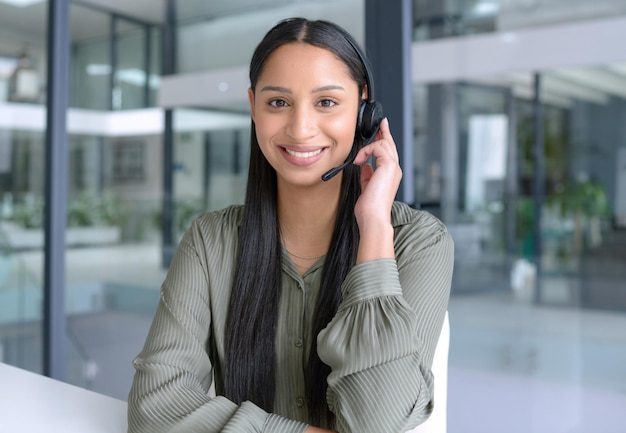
29 213
112 211
82 211
587 197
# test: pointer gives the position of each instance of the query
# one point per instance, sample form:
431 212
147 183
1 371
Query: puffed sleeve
173 370
380 345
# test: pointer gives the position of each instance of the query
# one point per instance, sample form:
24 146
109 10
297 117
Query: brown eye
277 103
327 103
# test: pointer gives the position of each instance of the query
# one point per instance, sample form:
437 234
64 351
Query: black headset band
369 81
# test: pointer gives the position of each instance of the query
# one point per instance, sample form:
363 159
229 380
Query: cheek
342 128
265 126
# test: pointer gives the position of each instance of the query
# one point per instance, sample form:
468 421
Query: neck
307 217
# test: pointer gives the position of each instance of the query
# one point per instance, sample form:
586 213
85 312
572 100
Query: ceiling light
21 3
486 8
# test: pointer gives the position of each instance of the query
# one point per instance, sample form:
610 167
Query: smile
303 154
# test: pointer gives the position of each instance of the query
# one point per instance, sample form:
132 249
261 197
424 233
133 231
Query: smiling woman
317 305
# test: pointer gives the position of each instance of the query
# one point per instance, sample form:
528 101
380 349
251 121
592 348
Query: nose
302 124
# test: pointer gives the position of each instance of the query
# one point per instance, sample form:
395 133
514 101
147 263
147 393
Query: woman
317 305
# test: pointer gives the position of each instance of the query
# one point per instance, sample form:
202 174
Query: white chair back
437 422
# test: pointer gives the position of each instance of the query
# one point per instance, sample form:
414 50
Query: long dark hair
251 325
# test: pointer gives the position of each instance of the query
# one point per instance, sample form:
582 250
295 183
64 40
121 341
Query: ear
251 102
365 93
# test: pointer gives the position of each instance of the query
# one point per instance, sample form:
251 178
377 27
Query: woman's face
304 109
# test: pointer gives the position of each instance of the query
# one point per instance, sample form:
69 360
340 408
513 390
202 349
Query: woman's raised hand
378 192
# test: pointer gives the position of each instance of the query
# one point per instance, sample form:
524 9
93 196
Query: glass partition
113 268
22 152
535 310
115 61
91 58
113 251
453 18
133 81
211 163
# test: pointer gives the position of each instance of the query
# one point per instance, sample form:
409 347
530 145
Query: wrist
376 241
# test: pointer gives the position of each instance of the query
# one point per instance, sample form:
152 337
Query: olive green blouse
380 344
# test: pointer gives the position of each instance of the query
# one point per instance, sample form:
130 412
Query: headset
370 111
369 117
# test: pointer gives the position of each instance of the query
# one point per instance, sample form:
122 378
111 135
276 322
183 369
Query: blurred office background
519 146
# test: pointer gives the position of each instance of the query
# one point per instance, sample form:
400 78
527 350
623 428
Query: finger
383 130
377 149
364 153
383 146
385 134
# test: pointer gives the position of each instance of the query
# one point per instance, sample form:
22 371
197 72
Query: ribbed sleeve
381 343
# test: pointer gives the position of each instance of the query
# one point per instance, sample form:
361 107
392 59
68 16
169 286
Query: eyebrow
316 90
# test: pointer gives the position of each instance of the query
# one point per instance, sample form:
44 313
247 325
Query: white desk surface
32 403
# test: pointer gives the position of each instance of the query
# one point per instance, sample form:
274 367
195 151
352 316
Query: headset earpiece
368 121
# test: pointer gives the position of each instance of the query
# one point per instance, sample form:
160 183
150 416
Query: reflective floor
521 368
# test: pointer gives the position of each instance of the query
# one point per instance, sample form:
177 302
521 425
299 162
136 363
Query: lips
302 156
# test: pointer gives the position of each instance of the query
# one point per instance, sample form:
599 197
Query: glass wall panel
536 315
115 193
154 65
480 218
436 19
21 236
104 43
113 251
131 83
211 163
91 58
22 163
114 267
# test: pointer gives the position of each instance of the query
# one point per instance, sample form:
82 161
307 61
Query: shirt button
298 342
299 401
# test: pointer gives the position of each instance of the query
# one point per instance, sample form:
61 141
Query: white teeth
303 154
